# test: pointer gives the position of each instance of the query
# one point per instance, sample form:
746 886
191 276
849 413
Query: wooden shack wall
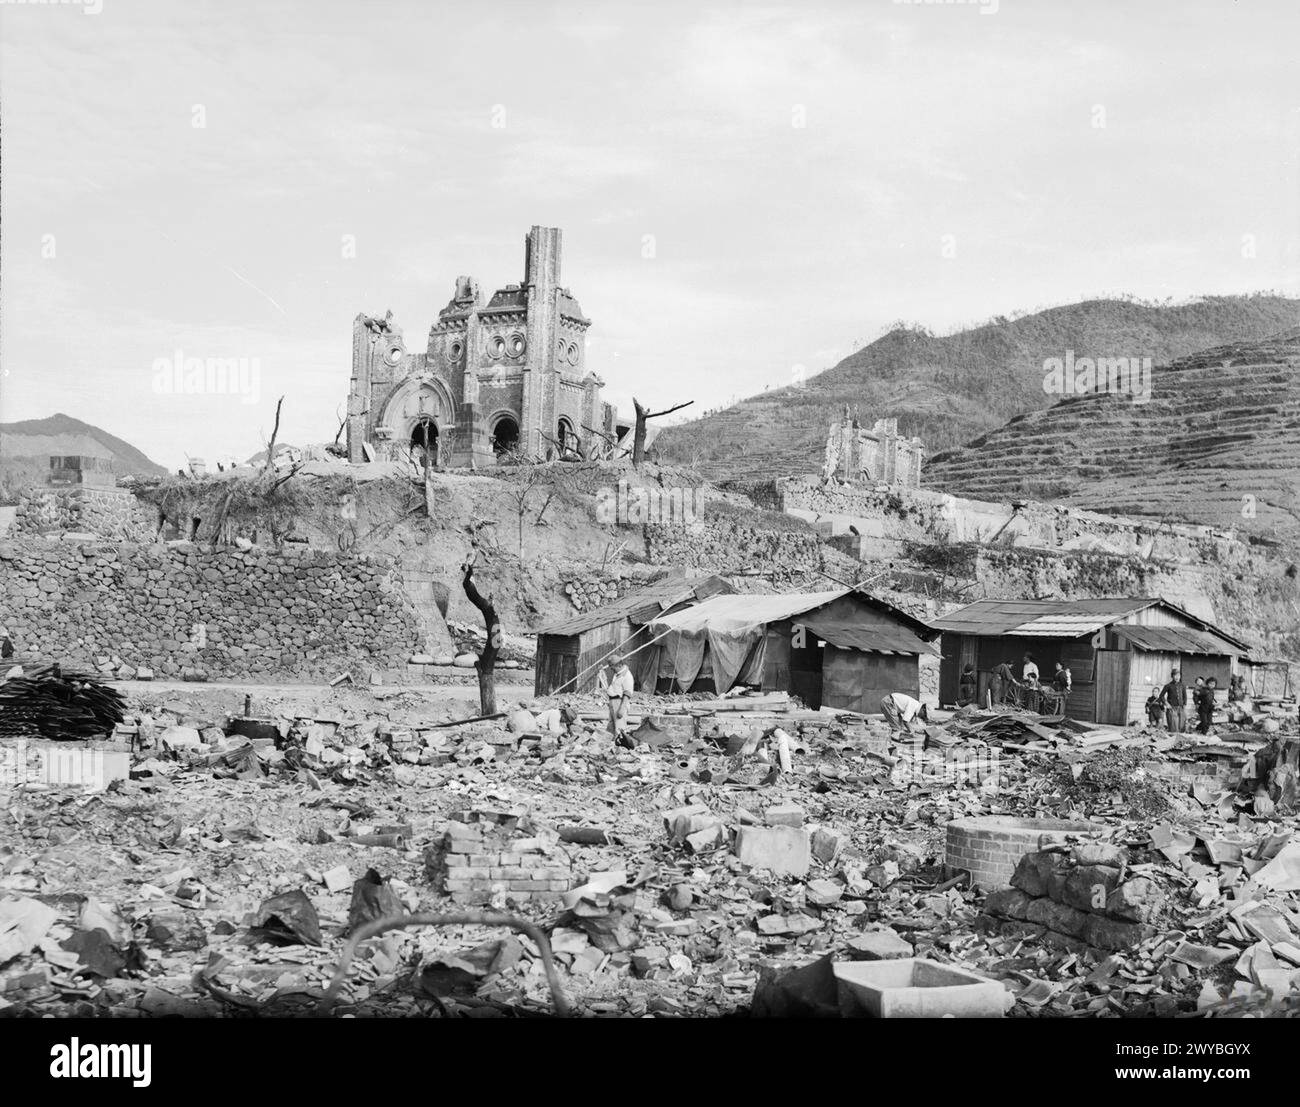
857 681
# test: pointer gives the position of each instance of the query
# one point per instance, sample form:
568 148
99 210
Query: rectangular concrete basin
914 988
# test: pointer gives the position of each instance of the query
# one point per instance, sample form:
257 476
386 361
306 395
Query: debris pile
739 841
59 705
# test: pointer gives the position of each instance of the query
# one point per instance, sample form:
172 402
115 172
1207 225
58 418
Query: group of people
1026 691
902 711
1170 703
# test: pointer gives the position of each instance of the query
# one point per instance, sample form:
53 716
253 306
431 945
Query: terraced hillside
950 389
1218 443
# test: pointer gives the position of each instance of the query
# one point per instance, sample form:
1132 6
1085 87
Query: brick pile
1078 897
484 853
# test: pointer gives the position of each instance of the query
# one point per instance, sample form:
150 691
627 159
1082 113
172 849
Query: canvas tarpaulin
731 627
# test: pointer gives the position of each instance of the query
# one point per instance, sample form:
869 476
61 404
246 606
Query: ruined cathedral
497 379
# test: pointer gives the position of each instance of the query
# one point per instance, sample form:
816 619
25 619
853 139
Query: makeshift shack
571 652
843 649
1118 650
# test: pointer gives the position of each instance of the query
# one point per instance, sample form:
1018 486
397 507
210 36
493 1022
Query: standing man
1205 705
1003 682
1174 696
900 709
619 689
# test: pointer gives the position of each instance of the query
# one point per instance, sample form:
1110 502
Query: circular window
498 347
517 345
456 350
573 353
394 355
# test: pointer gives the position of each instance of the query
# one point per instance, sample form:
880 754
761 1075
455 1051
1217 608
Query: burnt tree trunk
487 660
643 416
638 437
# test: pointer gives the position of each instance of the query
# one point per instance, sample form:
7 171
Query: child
1154 710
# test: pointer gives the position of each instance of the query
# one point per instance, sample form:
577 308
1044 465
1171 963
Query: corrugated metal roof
1039 618
661 595
1176 640
871 639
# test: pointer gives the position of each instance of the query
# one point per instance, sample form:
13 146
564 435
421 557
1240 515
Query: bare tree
643 416
521 491
487 660
275 430
596 452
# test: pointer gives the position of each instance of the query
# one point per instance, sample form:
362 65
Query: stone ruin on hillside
855 455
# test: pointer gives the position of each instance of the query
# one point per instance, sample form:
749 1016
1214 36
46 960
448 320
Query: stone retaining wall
105 512
731 546
302 614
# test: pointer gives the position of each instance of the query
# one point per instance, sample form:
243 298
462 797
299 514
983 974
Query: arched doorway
505 436
566 436
424 442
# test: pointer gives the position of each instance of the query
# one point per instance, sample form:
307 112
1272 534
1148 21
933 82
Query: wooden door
1111 682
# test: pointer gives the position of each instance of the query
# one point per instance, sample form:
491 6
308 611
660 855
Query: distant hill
947 390
1217 443
27 446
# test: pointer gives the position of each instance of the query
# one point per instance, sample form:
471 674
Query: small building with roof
844 649
1118 650
571 651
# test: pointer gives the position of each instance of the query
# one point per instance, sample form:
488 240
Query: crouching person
900 710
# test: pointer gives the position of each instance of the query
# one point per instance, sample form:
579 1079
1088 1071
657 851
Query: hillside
950 389
1221 425
27 446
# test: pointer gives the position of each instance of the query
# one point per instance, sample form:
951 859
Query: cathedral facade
497 379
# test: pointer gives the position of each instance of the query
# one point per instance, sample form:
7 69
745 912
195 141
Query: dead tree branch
275 431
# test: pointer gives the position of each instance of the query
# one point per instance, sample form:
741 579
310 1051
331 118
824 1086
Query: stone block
879 945
826 844
781 849
1009 903
786 814
1059 917
1099 853
1088 887
823 893
1136 900
1113 934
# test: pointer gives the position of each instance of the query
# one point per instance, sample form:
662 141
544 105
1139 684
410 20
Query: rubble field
721 865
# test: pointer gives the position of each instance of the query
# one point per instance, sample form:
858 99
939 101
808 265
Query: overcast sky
743 189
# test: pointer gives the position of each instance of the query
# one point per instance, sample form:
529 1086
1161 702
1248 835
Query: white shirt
907 707
1030 670
621 684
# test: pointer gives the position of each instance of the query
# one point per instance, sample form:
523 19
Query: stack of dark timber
48 702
